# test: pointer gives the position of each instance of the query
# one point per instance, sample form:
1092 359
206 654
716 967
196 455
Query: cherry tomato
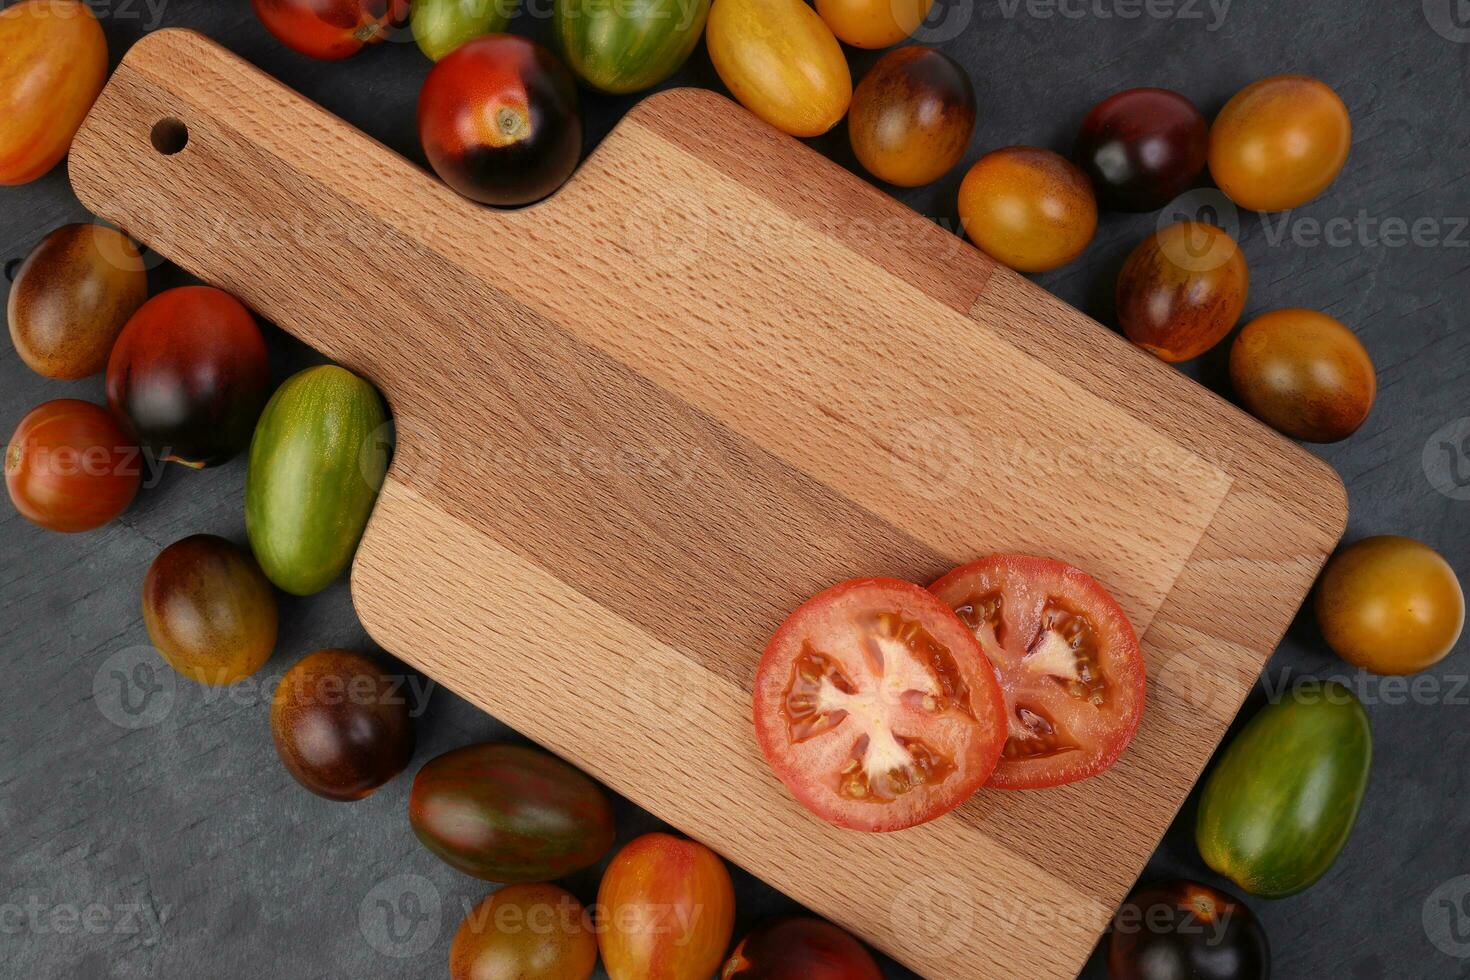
800 949
71 467
780 61
71 298
524 932
1068 661
499 122
1028 208
1182 290
1279 142
209 610
440 26
912 116
876 708
53 64
1143 148
1183 930
341 727
1390 605
873 23
190 372
668 908
1304 374
330 29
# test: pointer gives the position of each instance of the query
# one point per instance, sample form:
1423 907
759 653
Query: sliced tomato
876 707
1067 659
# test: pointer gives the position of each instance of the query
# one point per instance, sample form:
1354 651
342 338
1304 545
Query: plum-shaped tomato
1279 142
912 116
209 610
190 372
1028 208
668 909
1304 374
873 23
1390 605
509 813
525 932
71 298
330 29
499 122
1182 290
800 949
341 726
1142 148
53 63
71 467
1183 930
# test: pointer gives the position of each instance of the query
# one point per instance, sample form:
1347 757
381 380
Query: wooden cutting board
640 422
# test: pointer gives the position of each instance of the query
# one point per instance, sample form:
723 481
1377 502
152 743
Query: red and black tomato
1143 148
190 373
1183 930
330 29
499 121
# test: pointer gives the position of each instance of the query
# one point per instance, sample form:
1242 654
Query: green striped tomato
623 46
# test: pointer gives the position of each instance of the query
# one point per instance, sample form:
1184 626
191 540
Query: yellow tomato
1028 208
873 23
53 62
1279 142
781 61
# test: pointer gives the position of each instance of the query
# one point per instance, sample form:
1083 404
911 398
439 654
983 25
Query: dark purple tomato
800 949
509 813
190 373
1182 930
499 122
1143 148
341 726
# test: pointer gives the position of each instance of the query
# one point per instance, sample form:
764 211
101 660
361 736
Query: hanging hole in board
170 135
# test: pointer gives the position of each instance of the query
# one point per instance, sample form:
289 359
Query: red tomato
876 707
70 466
330 29
1068 661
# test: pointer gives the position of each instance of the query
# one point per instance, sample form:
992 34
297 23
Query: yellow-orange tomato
1304 374
1390 605
780 60
1279 142
873 23
1182 290
912 116
667 908
524 932
53 62
1028 208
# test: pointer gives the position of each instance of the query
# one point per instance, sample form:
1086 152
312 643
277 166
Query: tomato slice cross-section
1067 659
876 707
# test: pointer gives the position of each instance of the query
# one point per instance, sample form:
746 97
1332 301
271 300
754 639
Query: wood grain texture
714 374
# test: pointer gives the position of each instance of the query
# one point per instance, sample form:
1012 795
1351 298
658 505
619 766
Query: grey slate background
149 830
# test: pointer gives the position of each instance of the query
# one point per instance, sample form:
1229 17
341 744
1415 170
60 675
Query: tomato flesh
1067 659
876 707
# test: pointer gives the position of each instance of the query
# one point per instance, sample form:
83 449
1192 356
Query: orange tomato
1028 208
873 23
912 116
1182 290
525 932
53 63
667 907
1279 142
1304 374
780 60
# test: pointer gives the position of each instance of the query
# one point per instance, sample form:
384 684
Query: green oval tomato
1280 803
509 813
440 26
316 463
623 46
